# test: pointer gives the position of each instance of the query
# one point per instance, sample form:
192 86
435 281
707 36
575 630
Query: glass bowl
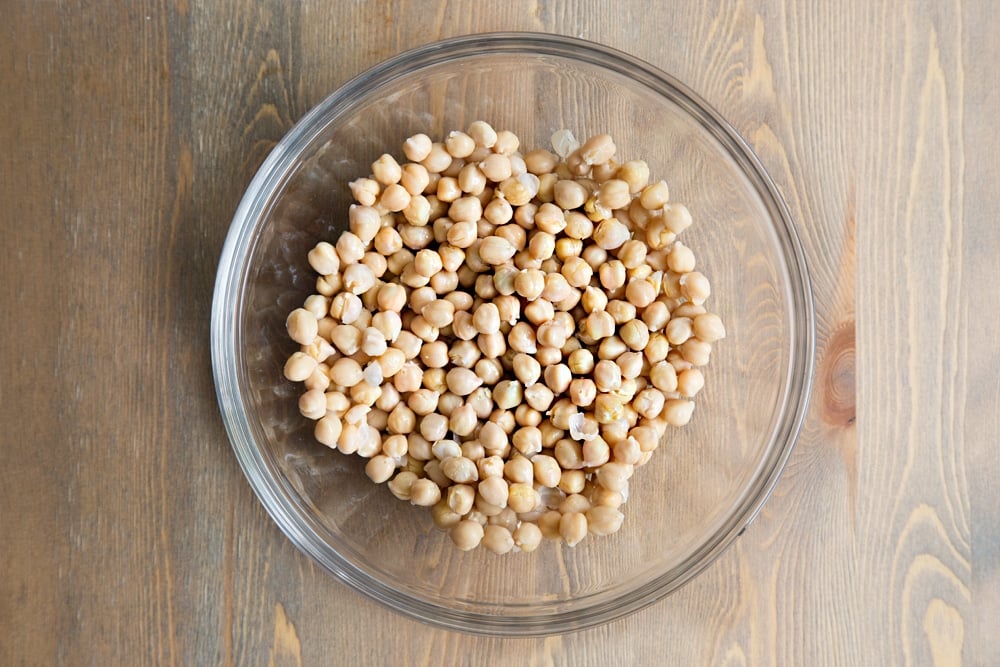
703 485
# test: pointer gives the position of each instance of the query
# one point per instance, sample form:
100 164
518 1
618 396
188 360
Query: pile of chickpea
505 337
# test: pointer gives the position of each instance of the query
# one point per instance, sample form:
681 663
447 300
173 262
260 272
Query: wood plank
130 133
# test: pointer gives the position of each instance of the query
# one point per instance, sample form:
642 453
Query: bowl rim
272 490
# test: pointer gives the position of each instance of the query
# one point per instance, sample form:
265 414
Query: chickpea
573 528
708 327
467 534
495 491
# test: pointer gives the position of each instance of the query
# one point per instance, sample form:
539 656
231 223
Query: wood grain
130 131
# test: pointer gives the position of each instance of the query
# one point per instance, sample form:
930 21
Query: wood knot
836 377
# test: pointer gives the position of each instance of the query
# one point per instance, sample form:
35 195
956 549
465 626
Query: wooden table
128 133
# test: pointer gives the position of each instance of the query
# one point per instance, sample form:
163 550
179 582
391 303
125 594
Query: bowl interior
704 481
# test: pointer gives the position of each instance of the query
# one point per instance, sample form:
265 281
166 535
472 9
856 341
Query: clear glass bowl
702 487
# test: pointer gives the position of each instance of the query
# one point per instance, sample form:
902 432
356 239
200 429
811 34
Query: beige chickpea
695 287
548 524
614 476
358 278
471 179
527 536
327 430
522 496
460 498
678 412
599 324
539 311
621 311
574 502
635 334
539 397
614 194
448 190
496 167
607 408
459 144
663 376
526 368
380 468
581 362
655 196
312 404
632 254
401 485
386 170
540 161
656 316
598 149
552 334
527 440
677 360
612 275
377 263
494 490
708 327
542 245
521 338
690 382
323 258
467 534
519 470
417 147
492 437
649 403
596 452
569 194
491 345
329 285
394 198
578 226
460 469
635 173
577 272
408 343
482 133
627 450
437 159
364 190
611 234
603 520
443 517
567 247
498 539
607 375
647 437
546 470
490 466
657 348
696 352
677 218
582 392
519 189
640 292
548 356
506 143
302 326
594 299
680 258
573 528
550 219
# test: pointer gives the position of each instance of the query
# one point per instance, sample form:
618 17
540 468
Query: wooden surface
128 133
